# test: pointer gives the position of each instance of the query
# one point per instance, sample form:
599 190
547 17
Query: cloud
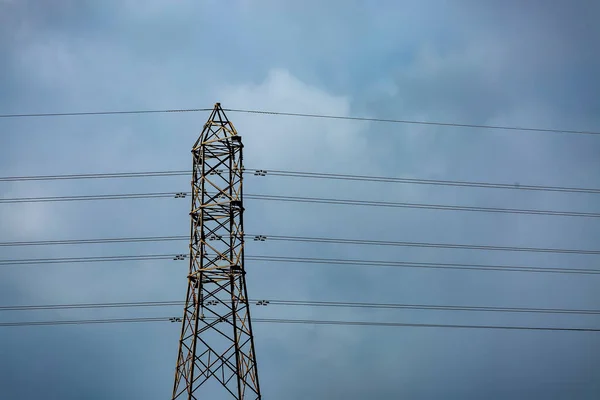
281 141
463 62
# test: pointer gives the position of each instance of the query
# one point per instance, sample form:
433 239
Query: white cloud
290 142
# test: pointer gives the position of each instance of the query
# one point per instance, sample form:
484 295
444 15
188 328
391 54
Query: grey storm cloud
500 63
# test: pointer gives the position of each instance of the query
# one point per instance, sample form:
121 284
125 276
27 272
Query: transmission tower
216 341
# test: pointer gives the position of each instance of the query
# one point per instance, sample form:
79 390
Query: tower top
217 127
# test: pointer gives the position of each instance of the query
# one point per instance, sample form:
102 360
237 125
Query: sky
509 63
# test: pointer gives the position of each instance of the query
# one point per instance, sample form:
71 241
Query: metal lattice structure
216 341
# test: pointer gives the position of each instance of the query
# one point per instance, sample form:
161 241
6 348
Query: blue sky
494 62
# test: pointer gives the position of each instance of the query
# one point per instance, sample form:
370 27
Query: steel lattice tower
216 336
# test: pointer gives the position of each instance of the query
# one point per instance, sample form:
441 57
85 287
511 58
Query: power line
421 181
307 260
73 114
105 175
89 197
301 239
423 244
409 264
311 175
305 115
70 260
303 322
370 203
96 241
318 200
307 303
412 122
